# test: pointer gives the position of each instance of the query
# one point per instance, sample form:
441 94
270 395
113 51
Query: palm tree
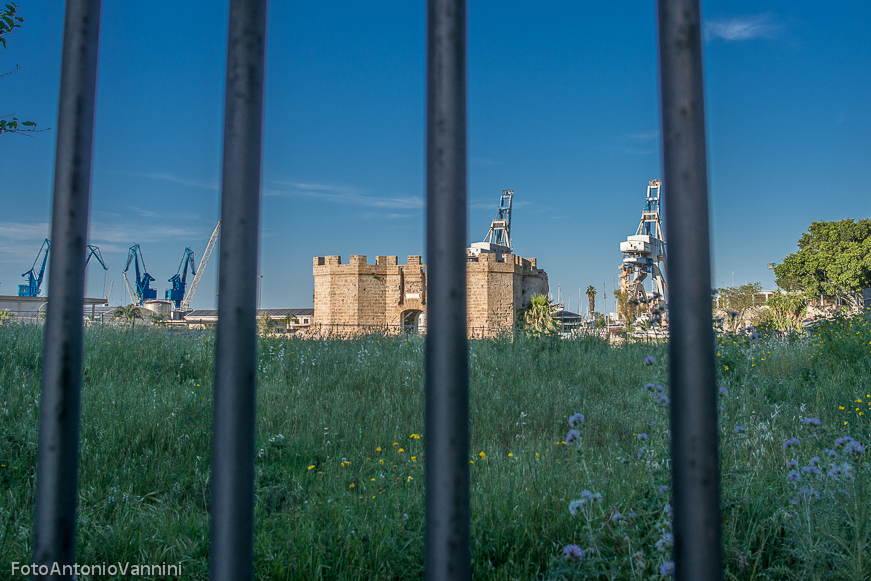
591 295
289 320
131 312
537 316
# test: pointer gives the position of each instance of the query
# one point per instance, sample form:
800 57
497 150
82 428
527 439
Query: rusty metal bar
63 342
447 366
695 465
232 532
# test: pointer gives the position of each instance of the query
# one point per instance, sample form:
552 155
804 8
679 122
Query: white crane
186 303
643 253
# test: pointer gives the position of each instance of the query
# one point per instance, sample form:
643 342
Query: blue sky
563 109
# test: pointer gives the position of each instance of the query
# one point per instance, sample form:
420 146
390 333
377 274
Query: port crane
143 291
204 260
498 238
643 253
179 280
34 279
95 252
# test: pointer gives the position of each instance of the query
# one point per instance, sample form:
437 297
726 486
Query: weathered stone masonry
351 298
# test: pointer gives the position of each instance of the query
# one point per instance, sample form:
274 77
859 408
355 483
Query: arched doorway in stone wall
413 321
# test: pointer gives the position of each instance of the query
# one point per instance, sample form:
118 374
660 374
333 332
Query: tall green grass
340 442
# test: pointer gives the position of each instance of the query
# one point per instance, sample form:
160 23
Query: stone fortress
359 297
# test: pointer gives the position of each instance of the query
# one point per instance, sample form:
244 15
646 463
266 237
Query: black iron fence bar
695 467
447 367
63 342
232 511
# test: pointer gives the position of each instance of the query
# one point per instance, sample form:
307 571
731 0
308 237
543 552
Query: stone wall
359 297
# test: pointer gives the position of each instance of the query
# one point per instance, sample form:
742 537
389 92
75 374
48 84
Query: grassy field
340 455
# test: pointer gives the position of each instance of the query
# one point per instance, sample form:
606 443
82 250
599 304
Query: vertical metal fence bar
58 455
447 366
695 465
232 512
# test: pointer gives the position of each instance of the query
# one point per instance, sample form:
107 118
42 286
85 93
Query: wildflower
642 436
663 489
574 506
572 436
310 467
649 360
811 422
667 569
482 455
811 470
665 543
662 399
575 551
739 429
648 386
401 450
640 453
831 453
510 455
576 419
808 492
814 461
660 389
669 512
415 436
791 464
617 516
723 391
732 313
790 442
793 476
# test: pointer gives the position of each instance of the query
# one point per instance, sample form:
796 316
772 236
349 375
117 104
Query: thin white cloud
25 230
342 194
164 215
642 136
742 28
129 234
169 177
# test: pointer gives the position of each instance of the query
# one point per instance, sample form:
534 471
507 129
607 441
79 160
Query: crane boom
186 303
95 251
34 279
144 291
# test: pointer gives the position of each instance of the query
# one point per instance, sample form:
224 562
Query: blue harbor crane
95 252
176 294
143 291
34 279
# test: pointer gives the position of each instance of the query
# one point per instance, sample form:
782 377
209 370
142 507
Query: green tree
833 261
9 21
536 318
265 323
591 296
6 316
737 300
131 312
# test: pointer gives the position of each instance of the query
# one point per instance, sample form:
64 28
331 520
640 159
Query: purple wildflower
791 464
815 460
572 436
667 569
664 543
723 391
617 516
642 436
831 453
854 447
811 422
574 551
649 360
663 489
811 470
648 386
576 419
660 389
640 453
793 476
793 501
574 506
791 442
669 512
844 470
808 492
662 399
739 429
732 313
